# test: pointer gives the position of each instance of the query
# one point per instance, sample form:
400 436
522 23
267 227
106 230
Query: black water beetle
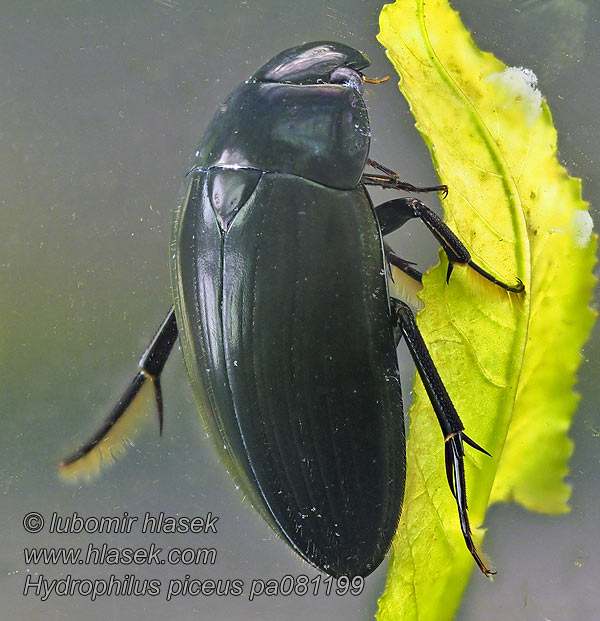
289 334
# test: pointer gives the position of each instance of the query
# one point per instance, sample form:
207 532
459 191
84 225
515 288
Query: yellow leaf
507 360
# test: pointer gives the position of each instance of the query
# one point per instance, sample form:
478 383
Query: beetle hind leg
449 421
123 422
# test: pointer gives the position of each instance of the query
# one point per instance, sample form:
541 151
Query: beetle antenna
375 80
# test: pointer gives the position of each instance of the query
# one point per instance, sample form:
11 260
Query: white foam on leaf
583 226
520 84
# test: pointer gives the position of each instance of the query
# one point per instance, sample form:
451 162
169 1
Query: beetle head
315 63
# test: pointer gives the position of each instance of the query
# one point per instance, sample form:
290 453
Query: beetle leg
455 470
448 418
395 213
402 264
391 180
153 360
382 168
405 282
391 183
111 439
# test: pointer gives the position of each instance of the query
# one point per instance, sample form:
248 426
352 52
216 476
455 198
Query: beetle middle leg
395 213
448 418
406 281
402 264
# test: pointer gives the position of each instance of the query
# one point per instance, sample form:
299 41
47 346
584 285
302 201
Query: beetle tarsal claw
455 472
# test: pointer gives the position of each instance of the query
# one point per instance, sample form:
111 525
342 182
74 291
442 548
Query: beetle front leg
118 427
448 418
395 213
391 180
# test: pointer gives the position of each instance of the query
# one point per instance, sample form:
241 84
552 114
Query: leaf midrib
523 246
